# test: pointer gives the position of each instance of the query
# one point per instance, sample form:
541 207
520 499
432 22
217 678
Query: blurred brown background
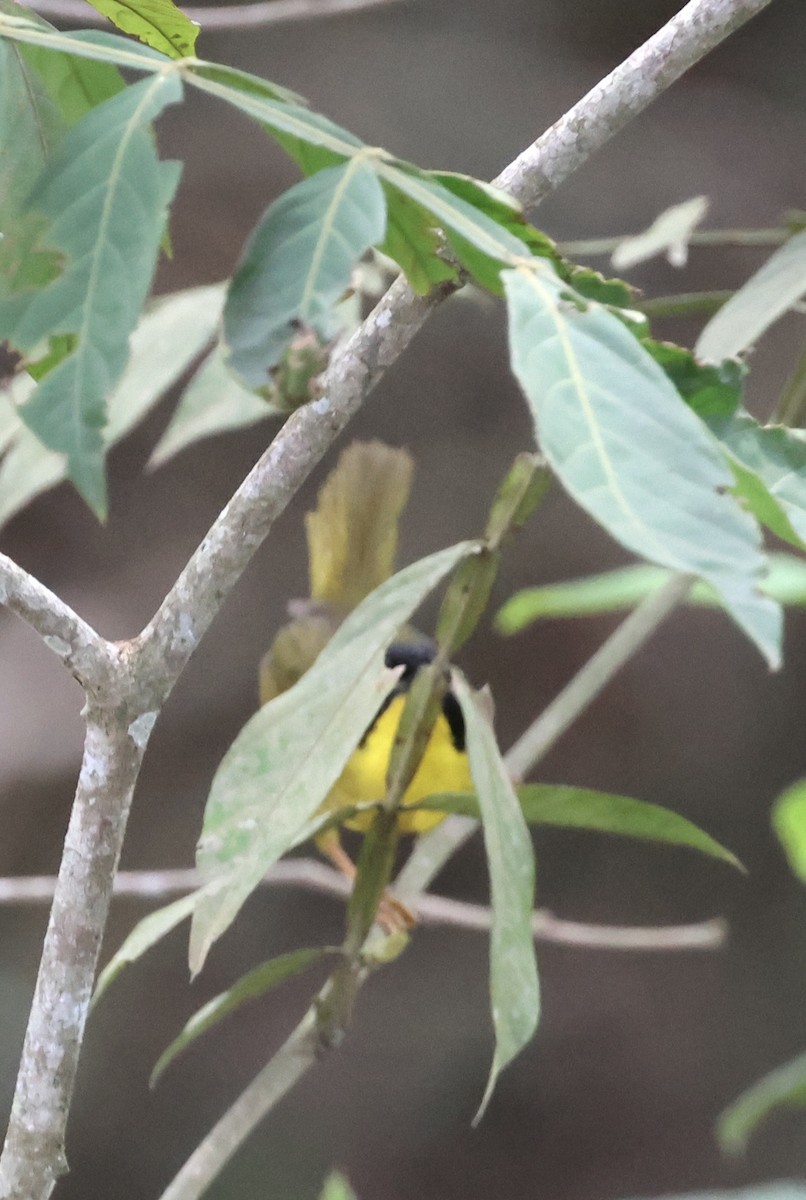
635 1055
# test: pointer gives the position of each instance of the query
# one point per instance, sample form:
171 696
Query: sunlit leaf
254 983
145 934
765 297
213 402
110 243
581 808
157 23
789 823
336 1187
298 262
668 234
629 450
783 1088
514 992
288 756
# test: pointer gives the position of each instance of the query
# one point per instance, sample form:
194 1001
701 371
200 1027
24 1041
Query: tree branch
238 16
696 30
315 876
93 661
33 1156
33 1153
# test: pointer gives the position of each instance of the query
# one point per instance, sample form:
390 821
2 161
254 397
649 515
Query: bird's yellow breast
443 768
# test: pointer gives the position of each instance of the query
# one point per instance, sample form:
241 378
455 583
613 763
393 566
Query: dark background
636 1054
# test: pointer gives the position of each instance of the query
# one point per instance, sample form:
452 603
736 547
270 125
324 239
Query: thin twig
315 876
93 661
237 16
595 247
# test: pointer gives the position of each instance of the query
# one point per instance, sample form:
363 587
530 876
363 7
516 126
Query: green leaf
156 23
514 990
765 297
110 242
31 127
601 812
789 823
668 234
254 983
274 110
145 934
75 84
288 756
170 335
482 245
782 1088
630 452
617 591
174 329
770 468
413 242
87 43
298 262
336 1187
213 402
711 391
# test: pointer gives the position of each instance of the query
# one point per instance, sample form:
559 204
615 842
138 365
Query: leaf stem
596 247
684 304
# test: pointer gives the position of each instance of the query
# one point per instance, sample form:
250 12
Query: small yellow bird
444 765
352 539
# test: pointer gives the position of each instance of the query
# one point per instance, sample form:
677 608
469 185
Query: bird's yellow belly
443 769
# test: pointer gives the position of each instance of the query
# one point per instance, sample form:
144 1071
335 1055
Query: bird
352 541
